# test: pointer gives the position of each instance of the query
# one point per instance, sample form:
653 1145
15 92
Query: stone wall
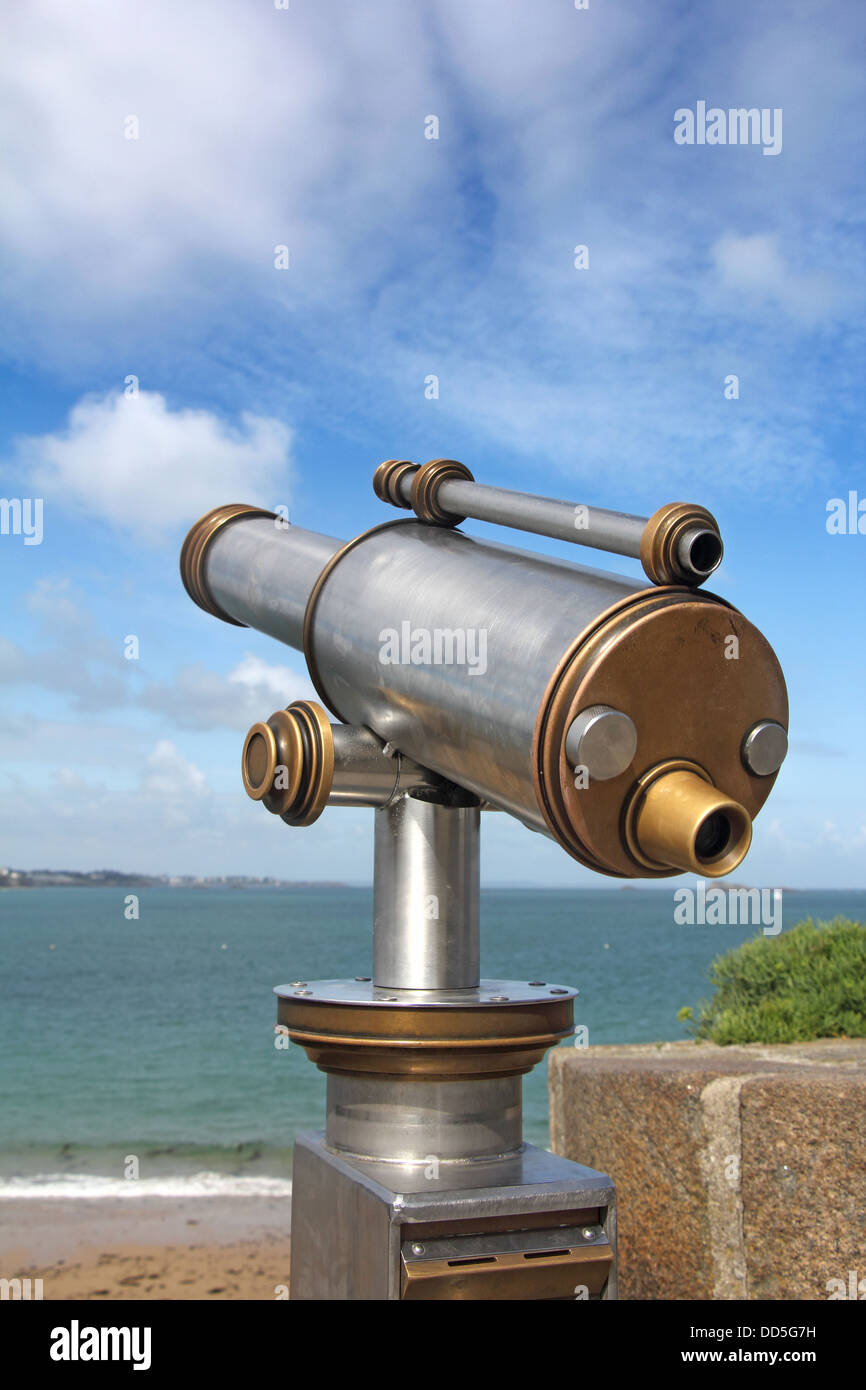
740 1171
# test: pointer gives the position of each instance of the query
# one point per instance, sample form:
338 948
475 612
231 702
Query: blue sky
154 257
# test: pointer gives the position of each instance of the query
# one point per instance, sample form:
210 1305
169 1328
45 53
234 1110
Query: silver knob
765 747
603 740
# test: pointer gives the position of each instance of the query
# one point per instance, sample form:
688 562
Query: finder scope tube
679 544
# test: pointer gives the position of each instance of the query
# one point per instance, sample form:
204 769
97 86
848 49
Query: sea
144 1047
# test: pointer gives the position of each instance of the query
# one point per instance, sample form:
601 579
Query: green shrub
810 982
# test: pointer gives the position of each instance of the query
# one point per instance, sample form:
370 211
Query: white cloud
167 814
169 776
805 838
755 266
143 466
85 667
258 679
198 698
70 781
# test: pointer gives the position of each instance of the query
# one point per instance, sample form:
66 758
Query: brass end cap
288 762
677 819
425 488
387 479
194 550
681 544
659 656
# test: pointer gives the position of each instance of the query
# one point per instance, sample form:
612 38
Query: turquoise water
155 1037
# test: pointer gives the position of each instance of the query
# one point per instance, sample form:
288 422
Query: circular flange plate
693 675
352 1028
364 992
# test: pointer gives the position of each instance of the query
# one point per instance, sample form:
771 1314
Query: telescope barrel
680 543
497 619
474 660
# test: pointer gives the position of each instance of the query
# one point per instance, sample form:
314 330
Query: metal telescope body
640 725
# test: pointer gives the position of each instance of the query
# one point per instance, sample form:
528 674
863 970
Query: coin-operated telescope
639 725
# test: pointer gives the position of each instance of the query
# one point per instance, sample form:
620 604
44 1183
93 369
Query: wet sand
155 1248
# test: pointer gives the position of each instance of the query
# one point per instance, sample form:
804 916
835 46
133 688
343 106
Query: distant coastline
112 878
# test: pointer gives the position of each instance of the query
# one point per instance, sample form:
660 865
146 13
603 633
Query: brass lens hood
194 551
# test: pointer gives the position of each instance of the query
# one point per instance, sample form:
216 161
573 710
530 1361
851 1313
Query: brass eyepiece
681 544
288 762
677 819
259 761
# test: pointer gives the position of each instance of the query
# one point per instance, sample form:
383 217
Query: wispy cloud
754 268
198 698
451 256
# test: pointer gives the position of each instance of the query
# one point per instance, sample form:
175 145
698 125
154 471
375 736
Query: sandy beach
152 1248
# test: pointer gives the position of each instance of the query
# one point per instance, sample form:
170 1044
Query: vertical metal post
425 895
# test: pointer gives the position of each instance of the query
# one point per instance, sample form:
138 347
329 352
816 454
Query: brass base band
363 1036
194 550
